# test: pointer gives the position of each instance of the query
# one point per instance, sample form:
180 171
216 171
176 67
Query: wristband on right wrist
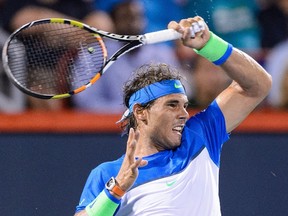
216 50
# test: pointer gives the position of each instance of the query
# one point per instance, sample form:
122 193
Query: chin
175 147
176 144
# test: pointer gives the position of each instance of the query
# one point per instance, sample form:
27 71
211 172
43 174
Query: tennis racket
56 58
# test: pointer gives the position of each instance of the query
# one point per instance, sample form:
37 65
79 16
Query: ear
140 113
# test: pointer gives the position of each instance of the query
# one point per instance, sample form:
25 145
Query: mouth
178 129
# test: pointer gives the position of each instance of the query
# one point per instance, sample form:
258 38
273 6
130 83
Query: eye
186 105
172 105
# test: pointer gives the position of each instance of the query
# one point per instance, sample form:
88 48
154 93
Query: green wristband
102 206
216 50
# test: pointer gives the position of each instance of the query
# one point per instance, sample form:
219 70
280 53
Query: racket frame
132 42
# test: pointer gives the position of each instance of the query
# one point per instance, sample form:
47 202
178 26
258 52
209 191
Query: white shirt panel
194 191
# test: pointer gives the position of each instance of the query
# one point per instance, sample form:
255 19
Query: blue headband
152 92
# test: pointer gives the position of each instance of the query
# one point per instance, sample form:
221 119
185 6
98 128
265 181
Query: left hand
188 40
128 172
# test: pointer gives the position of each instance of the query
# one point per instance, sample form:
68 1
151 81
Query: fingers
193 27
195 32
131 145
130 152
174 25
130 136
190 27
138 163
129 169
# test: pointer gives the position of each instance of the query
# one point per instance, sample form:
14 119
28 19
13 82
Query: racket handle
170 34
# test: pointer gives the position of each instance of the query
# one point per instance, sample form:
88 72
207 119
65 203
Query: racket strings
55 58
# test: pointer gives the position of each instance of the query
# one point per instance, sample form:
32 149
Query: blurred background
48 147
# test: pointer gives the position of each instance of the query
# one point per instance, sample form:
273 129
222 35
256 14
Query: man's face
165 121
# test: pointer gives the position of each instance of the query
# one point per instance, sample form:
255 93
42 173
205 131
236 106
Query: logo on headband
177 85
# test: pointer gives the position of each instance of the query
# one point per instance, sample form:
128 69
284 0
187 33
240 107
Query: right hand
200 39
128 172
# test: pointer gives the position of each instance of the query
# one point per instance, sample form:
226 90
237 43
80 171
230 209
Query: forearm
252 79
251 83
249 77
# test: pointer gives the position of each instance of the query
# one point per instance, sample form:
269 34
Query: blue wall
43 174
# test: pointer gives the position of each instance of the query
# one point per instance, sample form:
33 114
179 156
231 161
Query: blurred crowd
258 27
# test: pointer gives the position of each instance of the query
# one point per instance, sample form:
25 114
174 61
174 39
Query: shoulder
211 113
208 124
107 169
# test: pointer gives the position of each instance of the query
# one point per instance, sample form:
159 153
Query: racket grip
170 34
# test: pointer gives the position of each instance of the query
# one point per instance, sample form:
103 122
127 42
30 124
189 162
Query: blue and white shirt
182 182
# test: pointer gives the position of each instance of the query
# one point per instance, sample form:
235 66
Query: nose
184 113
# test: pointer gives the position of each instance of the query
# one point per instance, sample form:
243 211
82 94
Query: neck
144 147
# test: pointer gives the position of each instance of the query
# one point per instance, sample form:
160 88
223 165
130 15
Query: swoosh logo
82 202
177 86
169 184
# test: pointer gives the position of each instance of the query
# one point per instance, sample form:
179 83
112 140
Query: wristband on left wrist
103 205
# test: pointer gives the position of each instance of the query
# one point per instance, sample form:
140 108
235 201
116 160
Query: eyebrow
176 101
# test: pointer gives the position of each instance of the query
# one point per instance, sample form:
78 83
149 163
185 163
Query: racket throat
127 48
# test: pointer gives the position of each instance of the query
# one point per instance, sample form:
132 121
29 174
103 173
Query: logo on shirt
82 202
170 183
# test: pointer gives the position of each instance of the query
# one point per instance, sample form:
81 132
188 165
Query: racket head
54 58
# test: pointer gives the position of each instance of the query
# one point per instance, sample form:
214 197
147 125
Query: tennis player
171 165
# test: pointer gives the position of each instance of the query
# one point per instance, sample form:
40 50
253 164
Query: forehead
173 97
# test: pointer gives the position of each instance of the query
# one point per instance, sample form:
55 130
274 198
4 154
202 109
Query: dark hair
143 76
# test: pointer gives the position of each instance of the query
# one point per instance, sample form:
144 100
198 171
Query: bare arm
251 83
250 86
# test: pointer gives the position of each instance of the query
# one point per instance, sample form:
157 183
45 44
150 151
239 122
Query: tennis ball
91 50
